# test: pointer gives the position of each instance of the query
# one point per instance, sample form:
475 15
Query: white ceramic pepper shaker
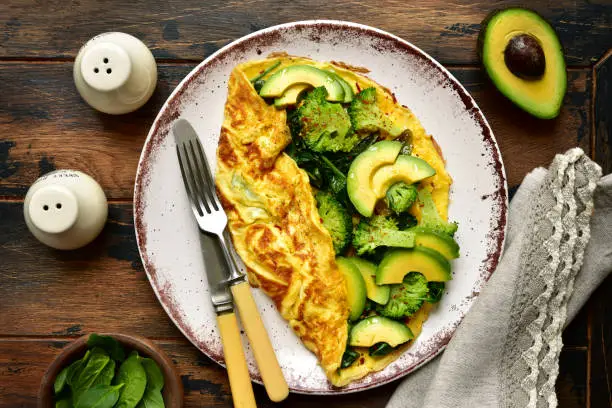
65 209
115 73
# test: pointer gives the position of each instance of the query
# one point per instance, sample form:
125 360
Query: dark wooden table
47 297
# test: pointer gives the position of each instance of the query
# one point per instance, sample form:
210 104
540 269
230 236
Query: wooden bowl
173 386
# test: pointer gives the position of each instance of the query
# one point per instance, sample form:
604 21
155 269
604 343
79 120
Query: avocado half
523 57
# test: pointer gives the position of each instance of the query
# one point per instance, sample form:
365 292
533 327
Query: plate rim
470 105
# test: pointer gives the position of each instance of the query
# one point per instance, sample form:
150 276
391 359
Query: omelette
275 224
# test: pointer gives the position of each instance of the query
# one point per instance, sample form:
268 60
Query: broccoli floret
400 197
324 126
336 219
366 117
380 230
405 298
430 218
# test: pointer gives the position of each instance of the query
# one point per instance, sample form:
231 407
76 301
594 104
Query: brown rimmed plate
167 234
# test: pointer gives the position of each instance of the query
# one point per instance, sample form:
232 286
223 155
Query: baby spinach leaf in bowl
155 377
74 370
103 377
133 375
100 396
95 365
152 399
106 375
110 345
60 380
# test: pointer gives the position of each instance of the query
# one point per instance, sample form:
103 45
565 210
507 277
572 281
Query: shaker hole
45 207
58 206
96 70
108 71
105 60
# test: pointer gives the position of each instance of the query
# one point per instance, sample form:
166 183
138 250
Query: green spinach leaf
133 375
380 349
343 160
64 403
96 363
155 377
109 344
60 380
266 71
106 375
436 290
349 357
152 398
100 396
74 369
98 359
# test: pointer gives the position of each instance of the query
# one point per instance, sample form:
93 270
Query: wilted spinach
133 375
100 396
323 174
343 161
266 71
349 357
436 289
380 349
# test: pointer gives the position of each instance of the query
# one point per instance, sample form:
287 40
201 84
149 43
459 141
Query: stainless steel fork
212 219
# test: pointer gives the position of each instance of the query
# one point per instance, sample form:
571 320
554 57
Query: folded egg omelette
274 221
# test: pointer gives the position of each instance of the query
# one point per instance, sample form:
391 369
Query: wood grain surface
602 120
49 297
23 362
192 29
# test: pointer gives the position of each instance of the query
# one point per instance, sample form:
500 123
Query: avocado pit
524 57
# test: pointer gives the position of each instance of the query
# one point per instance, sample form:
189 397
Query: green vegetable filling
380 231
406 297
323 126
336 220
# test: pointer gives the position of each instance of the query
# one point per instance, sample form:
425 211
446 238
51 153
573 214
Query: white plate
167 234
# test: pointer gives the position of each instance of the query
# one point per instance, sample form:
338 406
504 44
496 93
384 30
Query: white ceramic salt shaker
115 73
65 209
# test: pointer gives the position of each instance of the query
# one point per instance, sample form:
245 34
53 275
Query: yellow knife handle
237 371
271 373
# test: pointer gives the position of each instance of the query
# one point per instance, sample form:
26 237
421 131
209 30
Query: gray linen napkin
558 249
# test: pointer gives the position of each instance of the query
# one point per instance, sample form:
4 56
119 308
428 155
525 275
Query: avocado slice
361 171
291 95
276 85
522 55
378 294
398 262
377 329
348 91
409 169
356 288
441 243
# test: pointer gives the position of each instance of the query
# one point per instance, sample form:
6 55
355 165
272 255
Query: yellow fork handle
237 371
271 373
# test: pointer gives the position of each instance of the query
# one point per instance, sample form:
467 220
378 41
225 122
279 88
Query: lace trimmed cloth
506 351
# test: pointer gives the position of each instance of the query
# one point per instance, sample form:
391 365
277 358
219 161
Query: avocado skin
480 45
